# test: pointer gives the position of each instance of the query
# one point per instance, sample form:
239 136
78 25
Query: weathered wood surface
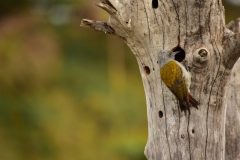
233 107
198 26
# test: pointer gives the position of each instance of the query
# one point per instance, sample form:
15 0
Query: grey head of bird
165 56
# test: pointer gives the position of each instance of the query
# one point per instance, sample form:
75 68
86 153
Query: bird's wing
186 75
172 76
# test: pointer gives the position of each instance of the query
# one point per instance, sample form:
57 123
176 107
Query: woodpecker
176 77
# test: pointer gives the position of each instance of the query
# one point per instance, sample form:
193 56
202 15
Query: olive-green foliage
61 98
12 6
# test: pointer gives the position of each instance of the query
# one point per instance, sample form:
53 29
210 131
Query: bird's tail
188 102
193 101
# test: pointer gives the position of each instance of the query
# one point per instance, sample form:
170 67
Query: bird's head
165 56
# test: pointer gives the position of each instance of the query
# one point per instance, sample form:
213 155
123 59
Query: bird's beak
174 53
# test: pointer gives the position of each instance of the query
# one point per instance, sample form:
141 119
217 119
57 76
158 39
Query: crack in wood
149 31
189 142
163 27
166 126
178 131
137 9
199 19
178 18
208 107
186 21
209 15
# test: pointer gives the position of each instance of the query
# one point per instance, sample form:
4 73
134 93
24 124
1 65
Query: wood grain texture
194 25
233 106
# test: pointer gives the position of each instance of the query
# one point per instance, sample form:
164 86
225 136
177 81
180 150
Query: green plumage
172 76
176 77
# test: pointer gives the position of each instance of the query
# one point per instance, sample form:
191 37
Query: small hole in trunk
154 4
193 131
160 114
147 70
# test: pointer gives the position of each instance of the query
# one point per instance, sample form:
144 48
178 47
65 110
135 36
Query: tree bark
233 106
197 26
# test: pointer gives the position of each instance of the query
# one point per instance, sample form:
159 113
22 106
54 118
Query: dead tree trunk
233 115
233 107
198 27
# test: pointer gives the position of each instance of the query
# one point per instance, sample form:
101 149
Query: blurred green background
68 93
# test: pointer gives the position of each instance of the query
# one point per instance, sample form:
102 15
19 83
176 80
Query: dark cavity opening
154 4
203 52
193 131
160 114
147 69
180 55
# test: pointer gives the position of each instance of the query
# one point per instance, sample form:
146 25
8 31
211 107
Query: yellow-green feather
172 76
